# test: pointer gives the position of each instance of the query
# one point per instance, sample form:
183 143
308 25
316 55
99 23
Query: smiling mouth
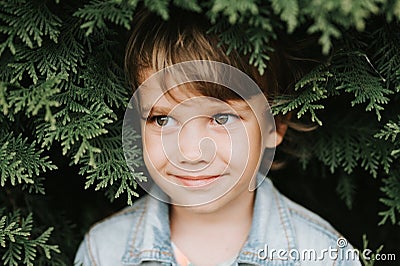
196 181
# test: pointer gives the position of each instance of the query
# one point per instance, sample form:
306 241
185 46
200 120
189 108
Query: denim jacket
282 233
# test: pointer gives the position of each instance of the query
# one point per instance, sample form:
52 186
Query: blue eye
161 120
224 119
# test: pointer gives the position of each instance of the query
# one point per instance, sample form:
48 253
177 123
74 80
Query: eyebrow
239 105
154 109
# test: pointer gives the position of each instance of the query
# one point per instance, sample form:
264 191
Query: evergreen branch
29 21
329 150
104 79
349 144
390 131
3 99
387 56
158 6
250 36
288 11
97 12
354 74
391 189
390 134
329 18
346 189
16 235
64 234
77 133
232 36
258 56
9 231
232 10
392 10
312 89
191 5
21 163
37 187
111 171
49 60
37 97
369 262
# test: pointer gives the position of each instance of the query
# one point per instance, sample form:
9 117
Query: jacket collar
271 228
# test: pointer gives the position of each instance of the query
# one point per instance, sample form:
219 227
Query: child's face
200 149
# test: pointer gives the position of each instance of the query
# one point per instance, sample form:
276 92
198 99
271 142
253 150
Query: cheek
233 148
224 146
153 153
247 147
255 145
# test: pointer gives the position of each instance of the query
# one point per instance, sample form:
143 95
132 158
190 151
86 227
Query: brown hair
155 44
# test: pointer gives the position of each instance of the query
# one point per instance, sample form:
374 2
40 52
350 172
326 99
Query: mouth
196 181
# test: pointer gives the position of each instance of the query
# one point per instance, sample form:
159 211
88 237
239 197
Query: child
208 140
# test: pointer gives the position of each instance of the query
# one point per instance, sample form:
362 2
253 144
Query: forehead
181 96
158 87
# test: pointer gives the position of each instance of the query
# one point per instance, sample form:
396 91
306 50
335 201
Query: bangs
203 88
158 44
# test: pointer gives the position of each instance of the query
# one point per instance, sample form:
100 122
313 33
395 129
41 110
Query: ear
277 134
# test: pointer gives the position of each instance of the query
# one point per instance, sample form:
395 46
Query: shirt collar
271 228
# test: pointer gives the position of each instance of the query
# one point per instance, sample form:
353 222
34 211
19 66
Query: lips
196 181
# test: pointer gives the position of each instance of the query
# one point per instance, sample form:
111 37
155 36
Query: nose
195 145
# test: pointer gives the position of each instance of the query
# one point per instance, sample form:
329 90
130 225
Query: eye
162 120
224 119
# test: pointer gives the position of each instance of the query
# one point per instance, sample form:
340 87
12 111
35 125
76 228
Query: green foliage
191 5
158 6
36 97
109 168
387 54
97 12
18 242
288 11
391 9
346 189
233 10
312 89
372 256
392 190
63 94
356 75
27 21
327 16
350 144
251 32
21 162
391 134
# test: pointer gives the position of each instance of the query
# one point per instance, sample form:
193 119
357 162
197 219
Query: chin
209 207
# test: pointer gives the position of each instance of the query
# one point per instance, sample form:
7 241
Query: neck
215 232
208 215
